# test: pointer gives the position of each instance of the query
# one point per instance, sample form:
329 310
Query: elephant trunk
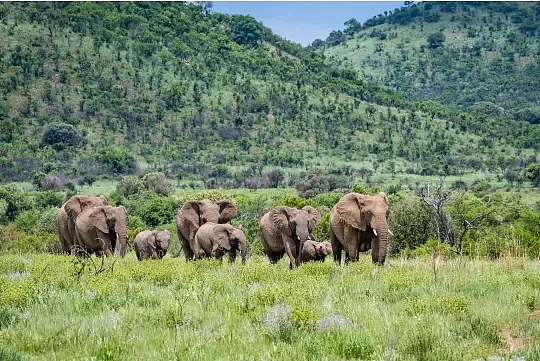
243 252
121 231
382 234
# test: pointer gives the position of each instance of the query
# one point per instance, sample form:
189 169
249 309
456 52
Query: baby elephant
316 251
152 244
214 240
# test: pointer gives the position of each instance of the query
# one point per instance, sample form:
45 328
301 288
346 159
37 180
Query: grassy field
53 308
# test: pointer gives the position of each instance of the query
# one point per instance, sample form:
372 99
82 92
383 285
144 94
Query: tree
436 40
61 133
352 26
533 174
246 30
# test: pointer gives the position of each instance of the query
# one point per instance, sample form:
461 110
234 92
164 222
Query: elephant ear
221 236
191 211
73 207
383 196
98 219
280 218
227 210
314 217
349 209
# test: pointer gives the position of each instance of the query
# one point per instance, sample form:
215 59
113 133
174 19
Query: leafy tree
352 26
533 174
246 30
61 133
436 40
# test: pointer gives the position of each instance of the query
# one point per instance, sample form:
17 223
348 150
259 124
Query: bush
157 210
15 201
412 222
47 199
365 189
318 181
118 160
61 134
158 183
129 186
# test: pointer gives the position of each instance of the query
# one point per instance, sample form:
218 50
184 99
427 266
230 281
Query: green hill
93 89
480 56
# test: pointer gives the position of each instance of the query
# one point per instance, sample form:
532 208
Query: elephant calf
316 251
152 244
214 240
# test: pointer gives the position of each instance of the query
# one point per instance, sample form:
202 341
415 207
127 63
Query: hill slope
486 59
103 88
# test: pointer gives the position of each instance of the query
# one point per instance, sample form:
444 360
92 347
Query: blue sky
305 21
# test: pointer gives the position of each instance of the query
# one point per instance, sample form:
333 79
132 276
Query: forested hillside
93 89
480 56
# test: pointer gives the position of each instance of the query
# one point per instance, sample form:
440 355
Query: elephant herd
358 223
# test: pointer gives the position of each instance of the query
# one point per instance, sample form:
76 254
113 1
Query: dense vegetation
95 90
479 56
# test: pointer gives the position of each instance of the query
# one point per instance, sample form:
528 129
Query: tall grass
51 307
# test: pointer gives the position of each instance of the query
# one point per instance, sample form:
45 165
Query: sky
305 21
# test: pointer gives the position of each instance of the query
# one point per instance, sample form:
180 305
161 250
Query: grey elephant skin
215 240
194 214
316 251
152 244
98 229
359 223
286 230
68 213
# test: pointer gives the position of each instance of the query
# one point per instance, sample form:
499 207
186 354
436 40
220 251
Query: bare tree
438 198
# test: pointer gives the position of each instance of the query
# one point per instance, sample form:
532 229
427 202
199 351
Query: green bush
412 223
367 189
157 210
158 183
61 134
45 199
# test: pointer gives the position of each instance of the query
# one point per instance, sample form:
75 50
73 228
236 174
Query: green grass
206 310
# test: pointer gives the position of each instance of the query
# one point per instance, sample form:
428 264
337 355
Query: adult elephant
67 214
359 223
214 240
98 229
194 214
285 230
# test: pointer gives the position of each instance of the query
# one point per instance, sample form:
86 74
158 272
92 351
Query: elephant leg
374 249
188 253
63 243
351 240
232 255
336 246
274 257
347 258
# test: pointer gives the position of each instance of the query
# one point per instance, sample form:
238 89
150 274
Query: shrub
117 160
47 199
318 181
129 186
158 183
366 189
15 201
61 134
157 210
411 221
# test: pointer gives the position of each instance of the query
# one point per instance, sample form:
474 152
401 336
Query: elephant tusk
374 232
389 231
